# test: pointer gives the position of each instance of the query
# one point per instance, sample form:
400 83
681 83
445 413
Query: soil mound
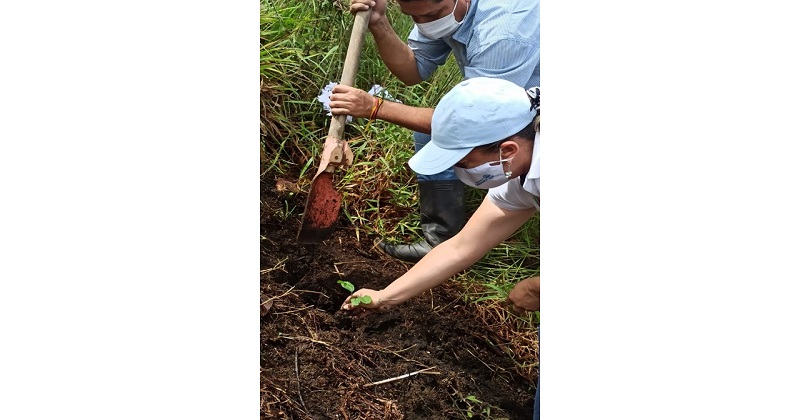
318 363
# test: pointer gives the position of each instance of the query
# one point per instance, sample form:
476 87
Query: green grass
302 49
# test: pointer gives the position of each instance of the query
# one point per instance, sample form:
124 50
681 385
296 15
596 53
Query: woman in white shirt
489 129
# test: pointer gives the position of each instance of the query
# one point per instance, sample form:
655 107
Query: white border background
129 231
670 211
129 181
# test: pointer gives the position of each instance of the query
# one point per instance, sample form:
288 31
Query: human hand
378 8
363 309
525 295
350 101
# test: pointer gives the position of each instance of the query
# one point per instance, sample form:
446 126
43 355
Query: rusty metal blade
322 210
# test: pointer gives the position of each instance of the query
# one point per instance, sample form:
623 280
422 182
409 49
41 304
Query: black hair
528 133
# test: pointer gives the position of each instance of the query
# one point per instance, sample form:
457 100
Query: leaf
347 285
361 299
265 307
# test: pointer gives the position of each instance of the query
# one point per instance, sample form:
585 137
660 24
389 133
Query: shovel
324 202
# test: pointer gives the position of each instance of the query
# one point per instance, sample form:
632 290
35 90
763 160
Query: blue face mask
488 175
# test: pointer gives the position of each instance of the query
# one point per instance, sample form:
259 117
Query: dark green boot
442 213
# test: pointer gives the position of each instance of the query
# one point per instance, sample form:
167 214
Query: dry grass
516 336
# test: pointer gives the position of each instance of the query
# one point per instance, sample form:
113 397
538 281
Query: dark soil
317 361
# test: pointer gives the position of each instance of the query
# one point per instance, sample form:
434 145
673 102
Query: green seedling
356 300
347 285
361 299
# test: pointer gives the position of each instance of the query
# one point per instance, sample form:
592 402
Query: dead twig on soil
283 294
494 369
294 310
281 263
342 405
389 407
277 403
297 374
397 353
397 378
362 262
266 306
305 339
310 291
362 405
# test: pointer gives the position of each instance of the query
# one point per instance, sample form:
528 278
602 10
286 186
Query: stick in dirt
407 375
297 373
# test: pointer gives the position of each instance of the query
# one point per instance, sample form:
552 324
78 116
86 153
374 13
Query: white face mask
440 28
484 176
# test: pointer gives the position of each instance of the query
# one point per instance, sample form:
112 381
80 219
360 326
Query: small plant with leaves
356 300
478 407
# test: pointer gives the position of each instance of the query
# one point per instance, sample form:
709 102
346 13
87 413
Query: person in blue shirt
488 38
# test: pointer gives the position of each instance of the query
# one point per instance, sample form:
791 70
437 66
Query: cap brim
432 159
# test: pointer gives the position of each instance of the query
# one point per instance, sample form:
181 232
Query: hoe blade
322 210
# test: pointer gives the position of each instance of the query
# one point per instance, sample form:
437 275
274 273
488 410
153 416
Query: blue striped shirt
496 38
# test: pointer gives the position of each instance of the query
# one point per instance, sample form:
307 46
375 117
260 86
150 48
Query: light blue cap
475 112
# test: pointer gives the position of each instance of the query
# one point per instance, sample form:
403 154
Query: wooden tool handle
351 66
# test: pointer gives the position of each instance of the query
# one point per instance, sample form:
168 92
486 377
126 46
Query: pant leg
536 398
420 140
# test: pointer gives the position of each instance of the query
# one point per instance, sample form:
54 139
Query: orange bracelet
375 107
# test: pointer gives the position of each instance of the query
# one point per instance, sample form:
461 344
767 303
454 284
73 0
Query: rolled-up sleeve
430 53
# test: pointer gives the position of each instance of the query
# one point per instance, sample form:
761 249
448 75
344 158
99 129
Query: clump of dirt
319 363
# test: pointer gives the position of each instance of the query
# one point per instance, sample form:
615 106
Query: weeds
284 213
302 49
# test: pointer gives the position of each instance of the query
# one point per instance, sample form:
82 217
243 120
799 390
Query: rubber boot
442 213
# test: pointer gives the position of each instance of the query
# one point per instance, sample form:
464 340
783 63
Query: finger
338 99
340 111
346 304
351 311
514 308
